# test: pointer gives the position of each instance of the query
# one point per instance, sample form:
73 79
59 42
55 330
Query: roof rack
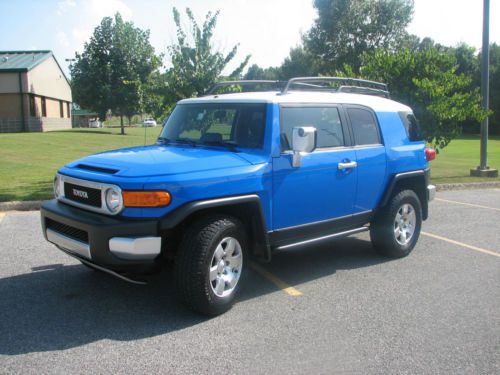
338 84
252 84
328 84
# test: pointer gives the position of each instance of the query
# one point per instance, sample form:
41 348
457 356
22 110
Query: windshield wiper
231 145
162 141
186 141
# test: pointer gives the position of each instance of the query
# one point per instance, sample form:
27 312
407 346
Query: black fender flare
261 248
422 176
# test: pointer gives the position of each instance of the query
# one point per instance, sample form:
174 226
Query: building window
44 107
61 108
68 112
32 106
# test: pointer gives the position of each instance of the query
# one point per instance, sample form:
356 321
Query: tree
112 72
345 29
428 81
91 74
196 67
299 63
494 120
256 72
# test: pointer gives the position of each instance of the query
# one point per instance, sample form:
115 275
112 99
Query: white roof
376 103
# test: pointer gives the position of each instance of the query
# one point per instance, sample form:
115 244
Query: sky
266 29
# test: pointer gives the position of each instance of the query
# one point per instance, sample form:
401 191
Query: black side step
322 238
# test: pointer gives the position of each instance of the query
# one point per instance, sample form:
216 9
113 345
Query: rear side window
411 126
325 119
364 126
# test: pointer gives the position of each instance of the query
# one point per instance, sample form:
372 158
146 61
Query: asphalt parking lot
334 308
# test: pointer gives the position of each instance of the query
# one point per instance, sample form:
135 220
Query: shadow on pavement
57 306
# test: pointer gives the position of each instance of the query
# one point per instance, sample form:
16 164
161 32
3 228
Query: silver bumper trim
103 269
69 244
139 248
431 192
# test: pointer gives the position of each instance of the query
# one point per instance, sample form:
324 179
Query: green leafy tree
196 66
345 29
494 120
91 73
428 81
299 63
112 72
256 72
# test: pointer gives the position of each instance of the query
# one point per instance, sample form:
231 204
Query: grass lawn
28 161
453 164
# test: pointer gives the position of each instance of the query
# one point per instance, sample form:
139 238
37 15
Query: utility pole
484 170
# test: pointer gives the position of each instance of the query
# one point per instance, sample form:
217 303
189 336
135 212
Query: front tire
210 263
396 228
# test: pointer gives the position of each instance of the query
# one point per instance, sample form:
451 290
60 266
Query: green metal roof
21 61
83 112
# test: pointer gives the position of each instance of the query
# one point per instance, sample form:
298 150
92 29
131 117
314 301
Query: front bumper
118 244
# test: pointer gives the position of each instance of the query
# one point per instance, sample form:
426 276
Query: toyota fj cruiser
242 174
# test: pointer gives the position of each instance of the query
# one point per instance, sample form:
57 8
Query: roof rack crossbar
364 90
342 82
251 82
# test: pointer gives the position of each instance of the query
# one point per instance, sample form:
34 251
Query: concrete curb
468 186
20 206
35 205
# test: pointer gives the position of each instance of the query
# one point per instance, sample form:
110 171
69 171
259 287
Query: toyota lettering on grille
80 193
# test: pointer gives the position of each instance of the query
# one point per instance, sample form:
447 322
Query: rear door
317 190
370 156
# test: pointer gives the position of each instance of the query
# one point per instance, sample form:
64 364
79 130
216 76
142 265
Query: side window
325 119
411 125
44 107
364 127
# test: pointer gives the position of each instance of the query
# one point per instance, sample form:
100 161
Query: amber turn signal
146 198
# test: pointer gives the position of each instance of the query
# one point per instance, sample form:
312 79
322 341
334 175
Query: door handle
351 164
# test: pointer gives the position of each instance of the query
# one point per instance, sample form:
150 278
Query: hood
158 160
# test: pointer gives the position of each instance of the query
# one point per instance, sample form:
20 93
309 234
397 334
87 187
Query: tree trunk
121 125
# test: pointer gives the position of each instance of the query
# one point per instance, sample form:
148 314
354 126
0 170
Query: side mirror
303 140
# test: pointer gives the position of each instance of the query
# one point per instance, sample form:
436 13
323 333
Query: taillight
430 154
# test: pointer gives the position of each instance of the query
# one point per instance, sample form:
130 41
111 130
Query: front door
324 186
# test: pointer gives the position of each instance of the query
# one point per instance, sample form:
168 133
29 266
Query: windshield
218 124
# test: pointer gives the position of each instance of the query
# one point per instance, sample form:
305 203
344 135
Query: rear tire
396 227
209 264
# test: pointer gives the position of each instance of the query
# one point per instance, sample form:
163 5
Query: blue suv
238 175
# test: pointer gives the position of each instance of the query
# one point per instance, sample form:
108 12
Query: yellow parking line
468 204
290 290
475 248
2 215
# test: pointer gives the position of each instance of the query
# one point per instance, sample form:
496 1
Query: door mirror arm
303 140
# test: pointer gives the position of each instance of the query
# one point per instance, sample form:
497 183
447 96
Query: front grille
68 231
82 194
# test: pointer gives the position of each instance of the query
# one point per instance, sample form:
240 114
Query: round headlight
114 200
57 186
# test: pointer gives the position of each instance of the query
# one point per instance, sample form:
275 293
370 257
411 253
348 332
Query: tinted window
411 125
239 124
326 120
364 126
